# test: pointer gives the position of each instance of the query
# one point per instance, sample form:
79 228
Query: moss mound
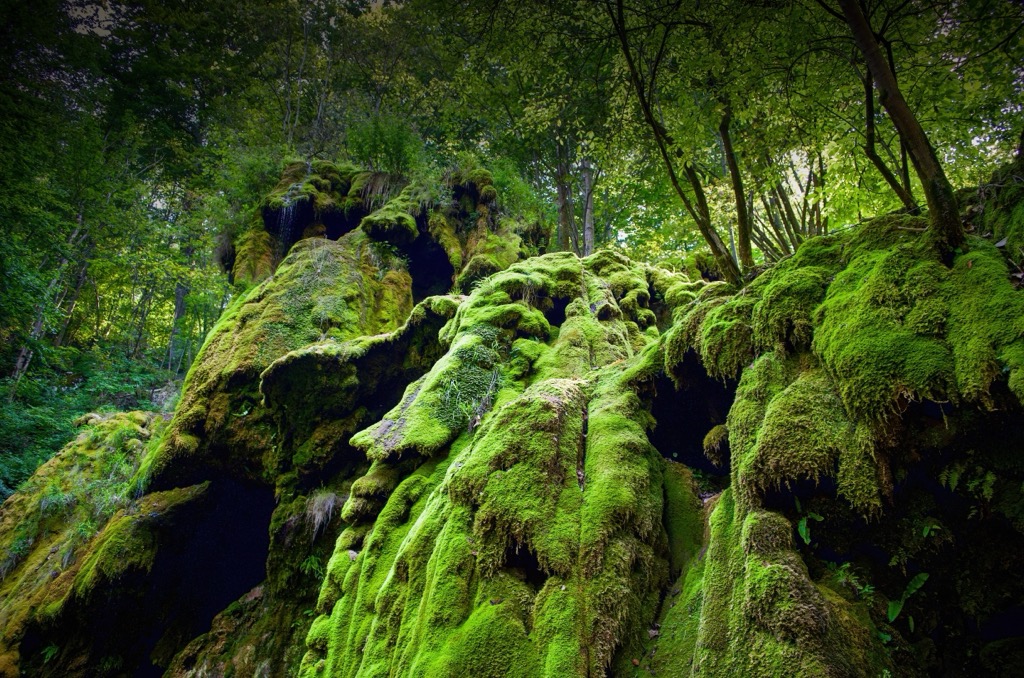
514 500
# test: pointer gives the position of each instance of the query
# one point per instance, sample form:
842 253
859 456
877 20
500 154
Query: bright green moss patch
887 320
871 320
542 518
748 608
50 526
1001 206
684 524
319 393
393 223
254 257
321 183
490 254
468 487
801 433
782 317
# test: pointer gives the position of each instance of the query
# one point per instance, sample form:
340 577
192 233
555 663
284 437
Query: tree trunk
746 257
140 316
942 206
872 153
24 359
587 177
568 239
66 331
180 291
789 216
726 264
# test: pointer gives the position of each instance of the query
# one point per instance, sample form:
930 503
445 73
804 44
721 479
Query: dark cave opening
224 557
522 561
429 267
288 224
685 415
337 222
555 314
209 553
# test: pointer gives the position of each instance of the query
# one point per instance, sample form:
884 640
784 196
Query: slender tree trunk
24 359
65 333
789 216
726 264
871 152
568 239
180 291
746 257
943 211
142 315
820 203
587 179
781 237
285 127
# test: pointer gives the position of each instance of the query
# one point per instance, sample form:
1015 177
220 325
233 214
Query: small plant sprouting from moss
16 552
49 652
896 606
844 575
313 567
55 499
386 257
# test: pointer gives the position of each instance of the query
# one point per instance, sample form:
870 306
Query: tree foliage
140 138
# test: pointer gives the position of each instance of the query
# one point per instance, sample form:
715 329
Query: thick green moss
871 320
50 526
254 258
472 490
534 536
393 223
323 184
999 209
749 608
788 424
322 290
489 254
319 394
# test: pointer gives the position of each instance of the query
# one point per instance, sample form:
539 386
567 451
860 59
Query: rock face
419 446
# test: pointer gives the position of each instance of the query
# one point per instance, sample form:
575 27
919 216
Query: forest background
139 141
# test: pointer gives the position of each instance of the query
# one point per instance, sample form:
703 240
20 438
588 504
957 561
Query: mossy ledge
391 460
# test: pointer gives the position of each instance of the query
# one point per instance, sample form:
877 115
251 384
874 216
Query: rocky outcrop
423 447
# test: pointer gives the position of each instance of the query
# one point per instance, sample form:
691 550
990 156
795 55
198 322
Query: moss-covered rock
372 474
323 290
523 505
48 524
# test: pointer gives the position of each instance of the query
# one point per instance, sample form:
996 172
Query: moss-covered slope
272 473
514 516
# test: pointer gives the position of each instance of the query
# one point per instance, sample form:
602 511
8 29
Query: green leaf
815 516
895 606
916 583
910 623
804 530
